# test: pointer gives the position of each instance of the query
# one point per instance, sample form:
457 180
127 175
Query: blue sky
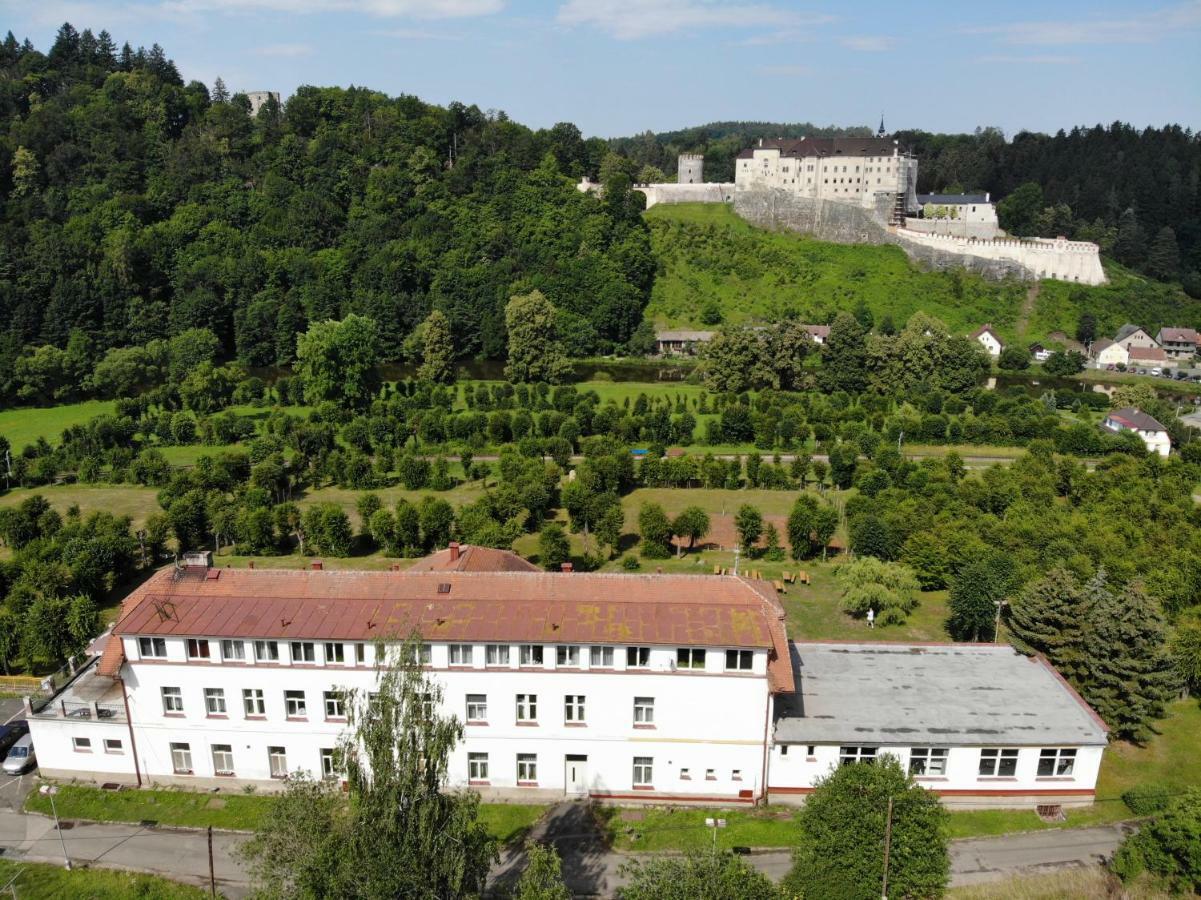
617 67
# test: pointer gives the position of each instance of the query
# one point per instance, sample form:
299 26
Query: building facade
989 340
690 168
622 688
1153 435
1179 343
962 215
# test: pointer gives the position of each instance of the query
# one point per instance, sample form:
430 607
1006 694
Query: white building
989 340
625 688
963 215
979 724
868 172
1152 434
1109 353
606 685
1131 336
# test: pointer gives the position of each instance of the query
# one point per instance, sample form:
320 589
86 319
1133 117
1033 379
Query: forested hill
1136 193
136 205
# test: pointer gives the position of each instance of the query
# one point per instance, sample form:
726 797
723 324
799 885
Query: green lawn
24 426
40 881
235 811
683 828
132 500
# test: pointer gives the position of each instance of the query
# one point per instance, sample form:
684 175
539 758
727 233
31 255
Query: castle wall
685 193
963 228
848 223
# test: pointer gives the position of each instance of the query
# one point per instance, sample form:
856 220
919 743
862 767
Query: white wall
792 774
1063 260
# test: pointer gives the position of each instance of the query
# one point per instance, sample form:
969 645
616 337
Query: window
690 658
181 759
848 755
643 770
266 651
477 766
710 775
253 702
172 700
234 651
995 763
335 705
277 760
152 648
303 652
601 657
360 654
496 655
335 653
295 705
1056 762
783 749
81 745
638 657
527 707
198 648
530 655
644 710
573 708
567 655
736 774
223 759
928 761
739 660
419 654
527 768
328 766
214 701
477 707
811 750
112 745
460 654
684 775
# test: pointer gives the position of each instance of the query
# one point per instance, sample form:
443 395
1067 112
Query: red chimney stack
316 565
454 551
567 567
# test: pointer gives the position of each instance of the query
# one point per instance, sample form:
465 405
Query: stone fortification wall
685 193
848 223
981 231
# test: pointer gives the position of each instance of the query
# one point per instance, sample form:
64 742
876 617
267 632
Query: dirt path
1027 309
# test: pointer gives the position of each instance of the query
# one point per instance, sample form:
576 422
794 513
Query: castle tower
690 169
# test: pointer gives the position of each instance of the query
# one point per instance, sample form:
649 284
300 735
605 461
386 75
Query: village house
1148 357
1131 336
1129 418
819 333
622 688
1178 343
680 342
989 340
1107 353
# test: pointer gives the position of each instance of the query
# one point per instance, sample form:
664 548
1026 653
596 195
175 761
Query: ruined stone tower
691 169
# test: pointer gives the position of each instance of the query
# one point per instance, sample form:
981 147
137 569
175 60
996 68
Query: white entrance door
575 778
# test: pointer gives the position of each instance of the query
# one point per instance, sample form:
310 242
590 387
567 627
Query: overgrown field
709 257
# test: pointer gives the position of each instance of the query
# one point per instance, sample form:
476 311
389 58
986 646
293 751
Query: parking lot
13 788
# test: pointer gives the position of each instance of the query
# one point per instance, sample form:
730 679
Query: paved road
588 868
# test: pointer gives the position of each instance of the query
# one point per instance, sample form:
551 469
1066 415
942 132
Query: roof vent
567 567
213 574
316 565
444 587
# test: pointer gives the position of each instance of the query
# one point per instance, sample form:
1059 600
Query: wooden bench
779 586
802 577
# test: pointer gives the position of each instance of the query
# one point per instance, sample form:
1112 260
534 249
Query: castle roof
798 148
952 199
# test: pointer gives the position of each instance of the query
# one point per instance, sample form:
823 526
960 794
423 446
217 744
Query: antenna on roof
165 610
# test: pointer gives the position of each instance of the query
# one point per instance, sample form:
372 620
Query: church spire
881 132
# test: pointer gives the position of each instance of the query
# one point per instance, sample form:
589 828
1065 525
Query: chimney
395 567
454 551
316 565
567 567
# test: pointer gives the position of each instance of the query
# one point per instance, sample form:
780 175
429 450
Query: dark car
11 733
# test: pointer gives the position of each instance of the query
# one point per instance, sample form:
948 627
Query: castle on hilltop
864 191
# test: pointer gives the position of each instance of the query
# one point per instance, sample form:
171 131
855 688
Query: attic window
444 587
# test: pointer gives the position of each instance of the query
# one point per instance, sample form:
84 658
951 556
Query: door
575 778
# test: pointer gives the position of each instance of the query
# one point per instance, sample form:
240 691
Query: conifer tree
1048 617
1130 675
437 350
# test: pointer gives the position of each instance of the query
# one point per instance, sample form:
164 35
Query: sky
621 67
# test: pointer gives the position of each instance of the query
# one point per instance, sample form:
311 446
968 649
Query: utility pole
212 873
50 790
887 849
996 627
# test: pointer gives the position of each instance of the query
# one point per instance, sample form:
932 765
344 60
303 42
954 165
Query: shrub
1146 799
630 563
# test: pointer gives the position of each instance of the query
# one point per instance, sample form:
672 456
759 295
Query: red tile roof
1150 354
687 610
473 559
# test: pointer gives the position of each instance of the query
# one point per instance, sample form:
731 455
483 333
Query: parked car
21 757
11 733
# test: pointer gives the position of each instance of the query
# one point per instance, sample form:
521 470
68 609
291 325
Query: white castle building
624 688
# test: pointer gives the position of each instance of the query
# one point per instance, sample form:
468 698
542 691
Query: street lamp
715 824
50 790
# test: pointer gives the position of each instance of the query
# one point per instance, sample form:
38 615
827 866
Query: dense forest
1136 193
136 206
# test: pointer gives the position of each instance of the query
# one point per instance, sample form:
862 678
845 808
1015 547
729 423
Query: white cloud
1032 60
787 36
285 50
1145 28
868 43
632 19
415 9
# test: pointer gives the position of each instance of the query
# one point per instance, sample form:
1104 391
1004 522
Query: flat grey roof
944 694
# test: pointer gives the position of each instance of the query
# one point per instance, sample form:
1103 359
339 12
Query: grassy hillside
707 254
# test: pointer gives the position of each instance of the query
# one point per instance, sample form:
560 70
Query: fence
20 684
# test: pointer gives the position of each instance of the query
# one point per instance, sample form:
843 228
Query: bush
630 563
1146 799
1169 846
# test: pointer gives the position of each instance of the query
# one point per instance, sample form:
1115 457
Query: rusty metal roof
471 558
685 610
